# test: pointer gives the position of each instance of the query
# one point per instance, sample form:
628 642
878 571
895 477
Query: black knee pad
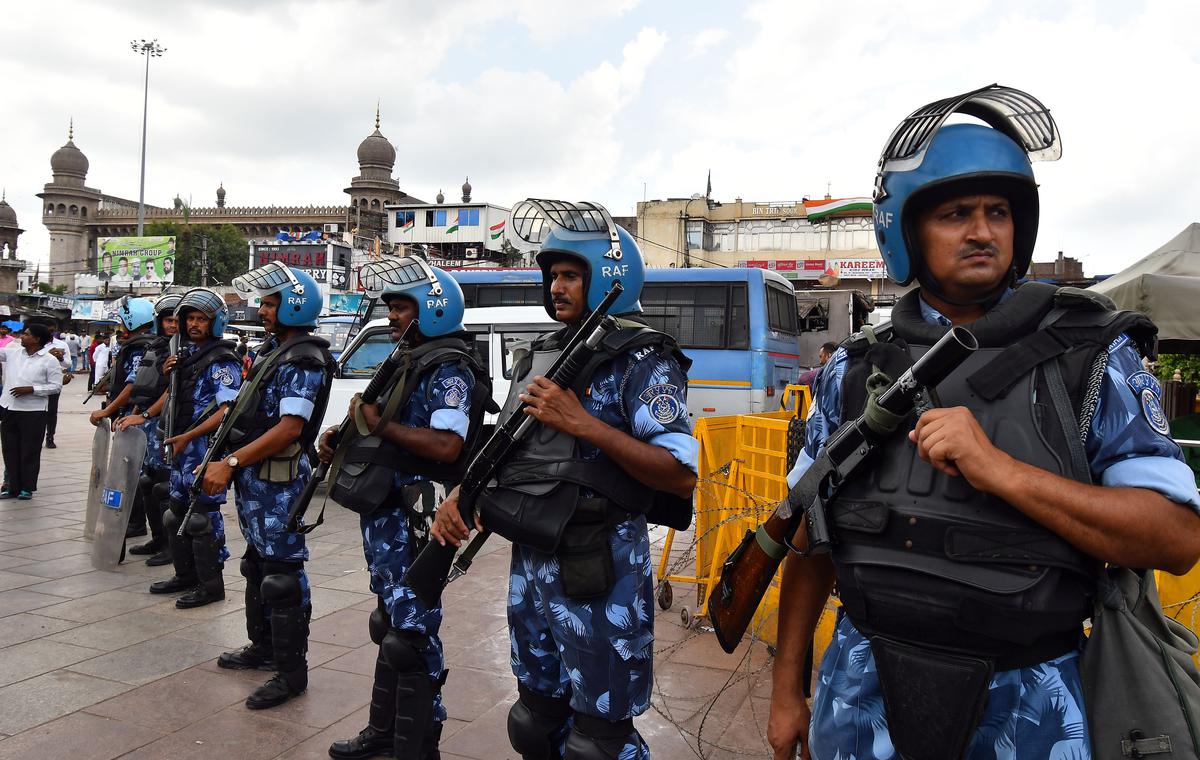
402 650
593 738
282 589
251 566
198 525
177 507
170 522
379 623
145 483
160 493
532 722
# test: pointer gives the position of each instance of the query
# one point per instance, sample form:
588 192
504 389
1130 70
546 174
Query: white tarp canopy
1164 286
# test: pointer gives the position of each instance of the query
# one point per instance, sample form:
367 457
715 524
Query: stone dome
441 198
466 188
8 215
69 160
221 191
376 150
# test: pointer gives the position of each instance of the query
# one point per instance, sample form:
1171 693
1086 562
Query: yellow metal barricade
743 476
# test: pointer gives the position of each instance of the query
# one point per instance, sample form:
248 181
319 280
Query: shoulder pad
858 342
1078 298
312 351
632 336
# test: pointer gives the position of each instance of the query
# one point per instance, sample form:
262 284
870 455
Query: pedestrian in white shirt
100 362
31 375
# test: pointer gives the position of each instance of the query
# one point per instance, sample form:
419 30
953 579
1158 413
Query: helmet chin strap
989 299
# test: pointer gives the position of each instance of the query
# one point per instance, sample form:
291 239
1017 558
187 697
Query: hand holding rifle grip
749 570
430 571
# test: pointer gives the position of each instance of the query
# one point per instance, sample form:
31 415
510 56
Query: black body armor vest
924 557
191 370
537 490
140 342
304 350
364 481
149 383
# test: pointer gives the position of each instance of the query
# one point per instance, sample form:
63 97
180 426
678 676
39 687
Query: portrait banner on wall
136 260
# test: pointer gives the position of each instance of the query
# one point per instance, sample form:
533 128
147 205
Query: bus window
368 355
699 315
781 310
508 295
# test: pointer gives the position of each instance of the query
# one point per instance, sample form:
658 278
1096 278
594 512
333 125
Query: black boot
162 558
207 552
259 654
289 636
376 738
153 516
50 442
137 515
181 556
433 737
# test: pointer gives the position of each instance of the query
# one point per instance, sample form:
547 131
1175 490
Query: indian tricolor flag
408 226
823 209
497 230
454 227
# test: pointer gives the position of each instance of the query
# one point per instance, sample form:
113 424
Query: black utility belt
584 555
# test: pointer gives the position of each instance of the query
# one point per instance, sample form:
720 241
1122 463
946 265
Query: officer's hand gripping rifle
431 570
750 568
375 388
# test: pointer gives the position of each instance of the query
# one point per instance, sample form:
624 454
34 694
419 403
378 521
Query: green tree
48 289
228 252
1187 364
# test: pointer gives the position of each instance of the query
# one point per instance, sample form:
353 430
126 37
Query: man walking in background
31 375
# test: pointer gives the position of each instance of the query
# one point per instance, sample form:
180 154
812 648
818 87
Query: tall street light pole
149 49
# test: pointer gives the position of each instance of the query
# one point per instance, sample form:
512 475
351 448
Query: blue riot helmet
135 312
300 299
926 161
164 307
584 231
439 299
207 302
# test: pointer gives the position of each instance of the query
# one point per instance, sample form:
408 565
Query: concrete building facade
822 243
451 234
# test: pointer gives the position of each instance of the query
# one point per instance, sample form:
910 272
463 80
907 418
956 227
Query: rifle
104 382
375 388
749 569
168 413
431 570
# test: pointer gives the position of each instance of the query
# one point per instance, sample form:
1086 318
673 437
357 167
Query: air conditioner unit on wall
331 227
471 253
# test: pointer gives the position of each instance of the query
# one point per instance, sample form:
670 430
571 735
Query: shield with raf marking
100 440
118 489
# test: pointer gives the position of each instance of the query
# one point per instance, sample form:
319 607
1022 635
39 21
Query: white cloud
702 41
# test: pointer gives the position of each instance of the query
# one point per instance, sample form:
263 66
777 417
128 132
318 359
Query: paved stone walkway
94 667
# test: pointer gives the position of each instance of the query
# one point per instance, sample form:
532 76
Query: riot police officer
573 498
419 433
209 378
965 553
271 435
149 383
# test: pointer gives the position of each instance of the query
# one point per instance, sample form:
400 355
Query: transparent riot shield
126 453
100 440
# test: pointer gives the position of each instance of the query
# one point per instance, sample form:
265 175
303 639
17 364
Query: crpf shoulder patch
454 390
1149 394
223 375
661 402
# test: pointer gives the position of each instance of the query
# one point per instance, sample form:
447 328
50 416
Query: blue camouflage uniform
441 400
599 651
262 507
220 381
1031 712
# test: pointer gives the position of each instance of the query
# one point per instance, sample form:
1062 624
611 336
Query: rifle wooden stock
749 569
430 571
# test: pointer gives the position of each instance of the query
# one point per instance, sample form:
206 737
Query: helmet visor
267 279
1015 113
201 299
533 220
393 275
166 304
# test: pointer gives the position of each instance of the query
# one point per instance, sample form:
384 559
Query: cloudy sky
606 100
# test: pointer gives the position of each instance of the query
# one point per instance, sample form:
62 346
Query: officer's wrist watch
232 461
